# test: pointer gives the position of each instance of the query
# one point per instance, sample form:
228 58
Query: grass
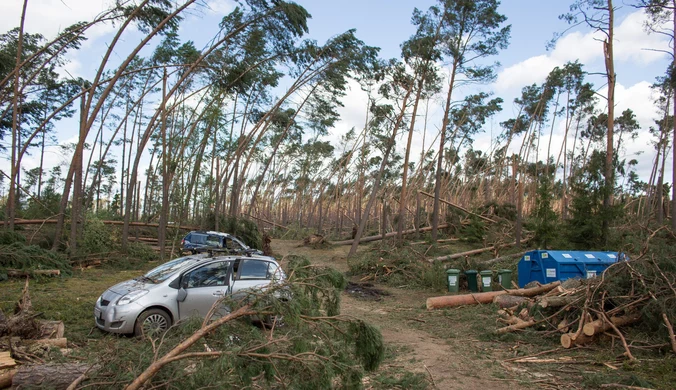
69 299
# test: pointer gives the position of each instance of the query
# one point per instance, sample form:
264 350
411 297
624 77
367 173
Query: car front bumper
116 319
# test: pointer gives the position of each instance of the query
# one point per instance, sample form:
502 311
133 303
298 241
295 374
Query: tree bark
52 376
486 297
609 168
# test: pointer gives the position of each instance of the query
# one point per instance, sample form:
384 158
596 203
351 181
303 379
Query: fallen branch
475 251
459 207
387 235
172 355
670 329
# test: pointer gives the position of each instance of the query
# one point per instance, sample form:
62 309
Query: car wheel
152 322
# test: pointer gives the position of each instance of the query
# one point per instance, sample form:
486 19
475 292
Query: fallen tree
485 297
387 235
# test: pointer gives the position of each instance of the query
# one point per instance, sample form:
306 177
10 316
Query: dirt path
455 362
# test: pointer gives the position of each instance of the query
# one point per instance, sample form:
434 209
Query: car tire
152 322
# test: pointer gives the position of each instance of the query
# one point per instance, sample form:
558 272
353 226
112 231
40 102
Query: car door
252 275
204 286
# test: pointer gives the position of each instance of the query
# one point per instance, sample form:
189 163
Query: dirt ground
456 362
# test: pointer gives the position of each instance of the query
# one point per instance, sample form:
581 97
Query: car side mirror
182 294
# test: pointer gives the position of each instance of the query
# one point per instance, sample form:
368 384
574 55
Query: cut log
16 273
555 301
600 326
506 301
50 376
569 340
59 343
521 324
485 297
119 223
531 292
51 329
6 360
6 379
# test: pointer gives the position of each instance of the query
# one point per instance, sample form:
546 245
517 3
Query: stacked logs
581 311
24 343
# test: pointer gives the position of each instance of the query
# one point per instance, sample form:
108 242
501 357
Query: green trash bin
505 278
486 280
471 280
452 279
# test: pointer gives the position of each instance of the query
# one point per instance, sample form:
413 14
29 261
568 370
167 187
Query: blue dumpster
546 266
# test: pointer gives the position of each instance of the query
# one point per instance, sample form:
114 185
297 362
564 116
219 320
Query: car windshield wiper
146 279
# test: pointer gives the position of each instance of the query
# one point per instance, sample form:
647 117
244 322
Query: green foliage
96 237
140 251
588 189
8 237
544 221
243 228
474 231
398 267
17 255
314 348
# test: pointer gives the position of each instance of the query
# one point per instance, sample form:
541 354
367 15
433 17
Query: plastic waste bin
505 278
452 279
471 280
486 280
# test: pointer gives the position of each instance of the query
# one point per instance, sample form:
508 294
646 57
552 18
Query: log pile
25 342
628 294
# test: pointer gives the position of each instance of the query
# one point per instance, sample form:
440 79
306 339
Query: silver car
181 288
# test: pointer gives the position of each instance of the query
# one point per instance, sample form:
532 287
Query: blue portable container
547 266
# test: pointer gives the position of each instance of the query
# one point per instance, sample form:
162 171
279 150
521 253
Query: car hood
130 285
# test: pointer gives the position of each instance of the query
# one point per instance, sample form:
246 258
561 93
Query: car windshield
164 271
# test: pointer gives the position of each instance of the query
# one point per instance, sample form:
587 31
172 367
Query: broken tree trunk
600 325
50 376
473 252
458 207
16 273
387 235
485 297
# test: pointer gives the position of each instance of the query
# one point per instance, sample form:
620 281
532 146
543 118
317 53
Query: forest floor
458 349
439 349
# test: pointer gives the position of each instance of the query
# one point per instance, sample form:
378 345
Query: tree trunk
11 197
609 169
376 184
164 208
52 376
442 138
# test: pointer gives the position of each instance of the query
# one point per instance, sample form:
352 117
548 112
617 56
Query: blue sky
386 24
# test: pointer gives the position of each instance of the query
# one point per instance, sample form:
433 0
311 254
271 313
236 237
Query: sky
386 24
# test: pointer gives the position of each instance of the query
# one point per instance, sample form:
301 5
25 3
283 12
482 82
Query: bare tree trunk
404 177
77 185
376 184
164 212
442 138
11 198
610 74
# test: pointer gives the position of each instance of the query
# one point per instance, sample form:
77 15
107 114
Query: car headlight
131 297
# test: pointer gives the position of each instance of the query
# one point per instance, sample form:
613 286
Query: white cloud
49 17
631 44
221 7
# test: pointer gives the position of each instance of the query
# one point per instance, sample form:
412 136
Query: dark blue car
199 241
